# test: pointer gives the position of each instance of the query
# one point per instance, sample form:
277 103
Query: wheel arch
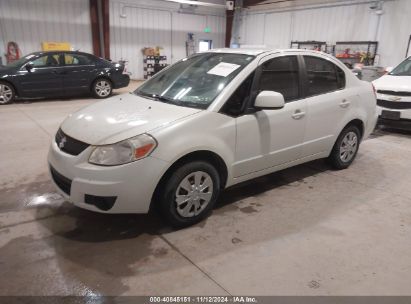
200 155
102 76
12 85
358 123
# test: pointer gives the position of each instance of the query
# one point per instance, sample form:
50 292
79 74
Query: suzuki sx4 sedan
208 122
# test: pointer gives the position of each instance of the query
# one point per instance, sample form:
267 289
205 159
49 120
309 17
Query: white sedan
208 122
394 97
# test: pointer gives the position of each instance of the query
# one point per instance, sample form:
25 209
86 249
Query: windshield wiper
156 97
164 99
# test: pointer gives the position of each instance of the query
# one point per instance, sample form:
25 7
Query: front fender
207 131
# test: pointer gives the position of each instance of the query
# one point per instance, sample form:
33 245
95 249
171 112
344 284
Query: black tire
336 158
102 88
5 90
167 194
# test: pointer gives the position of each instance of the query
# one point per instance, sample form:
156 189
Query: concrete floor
303 231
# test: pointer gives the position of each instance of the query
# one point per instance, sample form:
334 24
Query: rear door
44 79
328 104
79 72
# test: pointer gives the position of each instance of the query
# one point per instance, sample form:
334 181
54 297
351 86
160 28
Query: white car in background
394 97
208 122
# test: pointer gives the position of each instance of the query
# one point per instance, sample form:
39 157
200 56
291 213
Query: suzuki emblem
62 142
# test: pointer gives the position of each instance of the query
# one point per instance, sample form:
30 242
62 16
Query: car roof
57 51
259 51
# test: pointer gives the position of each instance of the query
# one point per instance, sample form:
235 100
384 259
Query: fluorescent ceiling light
198 3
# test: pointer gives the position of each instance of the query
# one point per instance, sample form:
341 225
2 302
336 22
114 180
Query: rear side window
323 76
281 75
76 59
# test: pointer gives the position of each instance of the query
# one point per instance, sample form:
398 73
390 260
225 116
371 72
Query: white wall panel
395 31
150 24
30 22
353 22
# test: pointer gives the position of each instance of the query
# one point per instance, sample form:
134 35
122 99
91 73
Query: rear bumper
121 81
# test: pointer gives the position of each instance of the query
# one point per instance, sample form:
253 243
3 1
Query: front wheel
189 194
345 148
7 93
102 88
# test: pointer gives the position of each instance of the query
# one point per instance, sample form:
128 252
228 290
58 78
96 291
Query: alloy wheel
103 88
193 194
348 147
6 93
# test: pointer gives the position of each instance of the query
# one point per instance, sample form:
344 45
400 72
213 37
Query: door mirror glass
29 66
269 100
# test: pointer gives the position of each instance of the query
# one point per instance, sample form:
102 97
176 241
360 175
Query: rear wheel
345 148
102 88
189 194
7 93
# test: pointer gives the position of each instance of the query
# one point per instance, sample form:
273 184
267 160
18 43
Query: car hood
121 117
393 83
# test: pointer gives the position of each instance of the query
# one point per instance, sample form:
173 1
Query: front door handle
345 103
298 114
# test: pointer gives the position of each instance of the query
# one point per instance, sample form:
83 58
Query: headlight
124 151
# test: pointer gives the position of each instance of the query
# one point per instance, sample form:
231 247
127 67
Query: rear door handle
345 103
298 114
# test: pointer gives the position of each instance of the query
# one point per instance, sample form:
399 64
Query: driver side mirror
269 100
29 66
388 70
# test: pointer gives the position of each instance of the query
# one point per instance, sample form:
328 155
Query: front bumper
132 185
404 121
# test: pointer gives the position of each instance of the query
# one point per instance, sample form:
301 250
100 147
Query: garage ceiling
287 3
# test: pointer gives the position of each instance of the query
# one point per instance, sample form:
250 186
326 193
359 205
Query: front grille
394 93
398 105
61 181
69 144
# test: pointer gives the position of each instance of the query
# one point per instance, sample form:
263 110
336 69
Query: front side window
403 69
50 60
323 76
281 75
195 81
76 59
235 105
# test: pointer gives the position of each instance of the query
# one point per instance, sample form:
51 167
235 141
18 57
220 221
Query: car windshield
195 81
403 69
21 61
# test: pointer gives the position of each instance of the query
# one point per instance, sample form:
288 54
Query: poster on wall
12 52
55 46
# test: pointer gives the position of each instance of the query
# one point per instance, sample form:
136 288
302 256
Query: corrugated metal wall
331 24
29 22
160 25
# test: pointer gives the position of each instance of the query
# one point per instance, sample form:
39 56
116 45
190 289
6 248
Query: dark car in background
60 73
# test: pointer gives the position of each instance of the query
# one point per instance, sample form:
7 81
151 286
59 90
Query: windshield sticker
223 69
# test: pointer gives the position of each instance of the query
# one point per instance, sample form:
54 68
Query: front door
269 138
43 79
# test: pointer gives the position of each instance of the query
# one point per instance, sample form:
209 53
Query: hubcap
103 88
348 146
193 194
5 93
